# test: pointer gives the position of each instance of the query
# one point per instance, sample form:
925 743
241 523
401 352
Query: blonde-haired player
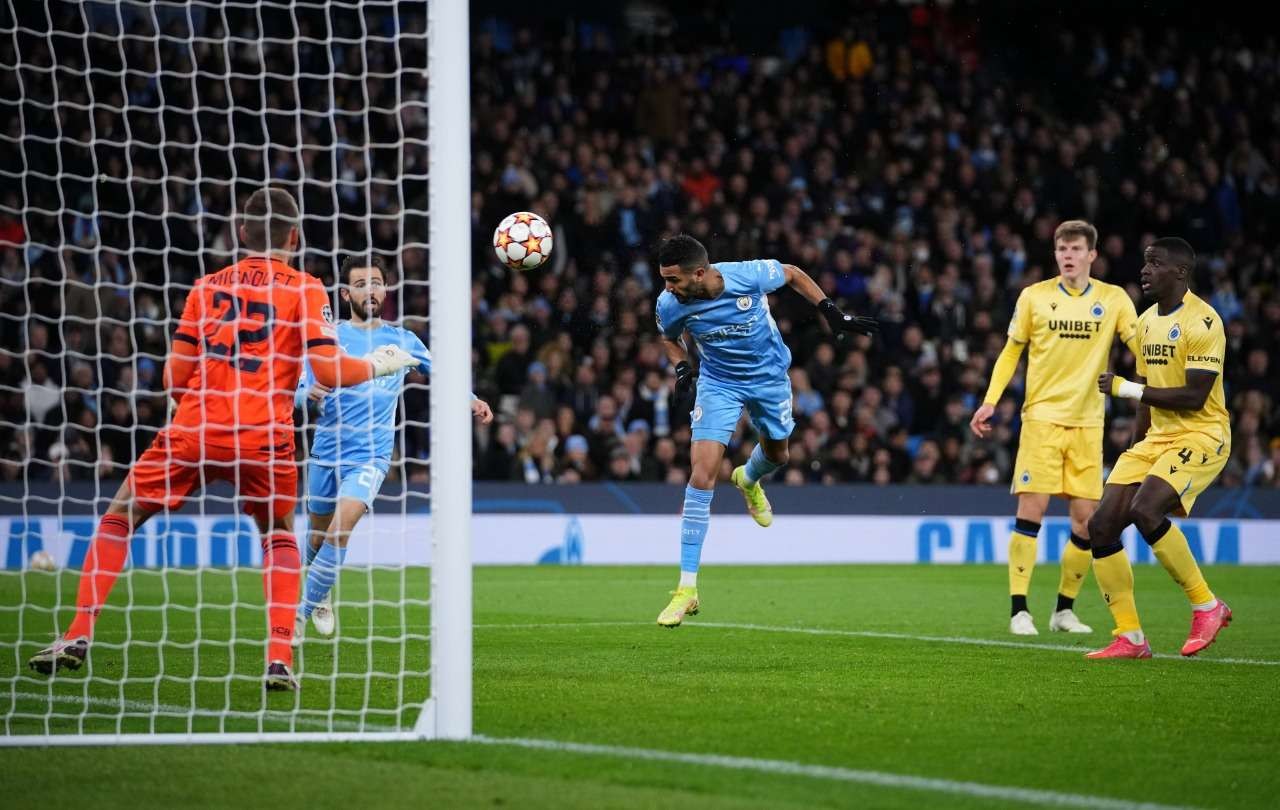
1184 440
1068 323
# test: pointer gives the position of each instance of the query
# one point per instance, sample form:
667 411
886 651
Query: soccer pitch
797 686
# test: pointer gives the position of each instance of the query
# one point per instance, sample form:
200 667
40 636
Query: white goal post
449 108
130 133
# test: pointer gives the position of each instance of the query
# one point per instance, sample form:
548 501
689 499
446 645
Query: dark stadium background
914 159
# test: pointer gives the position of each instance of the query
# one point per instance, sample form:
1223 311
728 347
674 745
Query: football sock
693 526
312 551
1076 559
1022 559
103 563
688 579
758 466
280 585
1171 549
1115 579
321 576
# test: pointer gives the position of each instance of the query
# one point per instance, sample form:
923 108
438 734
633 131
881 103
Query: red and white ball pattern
522 241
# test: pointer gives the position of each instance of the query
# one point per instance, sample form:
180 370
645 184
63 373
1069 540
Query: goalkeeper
354 436
245 332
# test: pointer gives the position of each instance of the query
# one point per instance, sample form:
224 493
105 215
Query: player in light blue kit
725 308
355 432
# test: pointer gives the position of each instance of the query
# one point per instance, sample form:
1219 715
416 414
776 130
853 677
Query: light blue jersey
357 423
738 342
743 361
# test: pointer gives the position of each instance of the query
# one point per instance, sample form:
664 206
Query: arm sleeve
335 369
1020 323
316 317
179 366
328 364
1127 325
1006 364
181 362
1207 346
769 275
188 330
419 350
1140 362
670 325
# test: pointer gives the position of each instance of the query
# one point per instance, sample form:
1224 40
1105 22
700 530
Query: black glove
841 322
686 386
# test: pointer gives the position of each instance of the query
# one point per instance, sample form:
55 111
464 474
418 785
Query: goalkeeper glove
390 359
841 322
686 386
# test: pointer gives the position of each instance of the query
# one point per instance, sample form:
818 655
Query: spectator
537 394
498 459
917 177
576 465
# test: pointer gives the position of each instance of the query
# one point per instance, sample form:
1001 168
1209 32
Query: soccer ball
522 241
41 561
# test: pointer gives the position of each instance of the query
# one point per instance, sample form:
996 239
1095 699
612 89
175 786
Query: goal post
131 133
450 135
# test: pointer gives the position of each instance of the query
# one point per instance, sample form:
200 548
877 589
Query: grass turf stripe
165 709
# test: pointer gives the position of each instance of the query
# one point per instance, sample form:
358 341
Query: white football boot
322 618
1066 621
1022 625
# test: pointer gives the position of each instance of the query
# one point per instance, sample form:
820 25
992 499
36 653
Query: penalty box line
1046 798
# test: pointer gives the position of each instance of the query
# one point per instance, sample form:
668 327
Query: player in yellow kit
1068 323
1184 435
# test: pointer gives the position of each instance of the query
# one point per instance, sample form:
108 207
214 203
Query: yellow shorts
1189 463
1059 460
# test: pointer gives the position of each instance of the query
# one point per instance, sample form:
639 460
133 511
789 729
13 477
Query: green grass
571 654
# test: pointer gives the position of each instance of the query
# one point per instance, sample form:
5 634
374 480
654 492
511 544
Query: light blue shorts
327 482
718 406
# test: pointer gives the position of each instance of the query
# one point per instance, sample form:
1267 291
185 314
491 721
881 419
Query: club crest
744 302
1175 332
1097 311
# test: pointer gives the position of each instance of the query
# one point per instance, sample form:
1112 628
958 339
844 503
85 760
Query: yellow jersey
1069 335
1189 337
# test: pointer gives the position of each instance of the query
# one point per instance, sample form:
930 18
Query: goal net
131 135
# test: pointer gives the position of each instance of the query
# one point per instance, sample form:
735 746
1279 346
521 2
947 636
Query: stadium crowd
904 161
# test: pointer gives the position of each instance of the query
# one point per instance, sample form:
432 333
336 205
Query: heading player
232 369
743 363
1069 323
351 452
1183 435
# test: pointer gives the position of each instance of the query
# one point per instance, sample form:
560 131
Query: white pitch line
811 631
977 642
1046 798
143 707
821 631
